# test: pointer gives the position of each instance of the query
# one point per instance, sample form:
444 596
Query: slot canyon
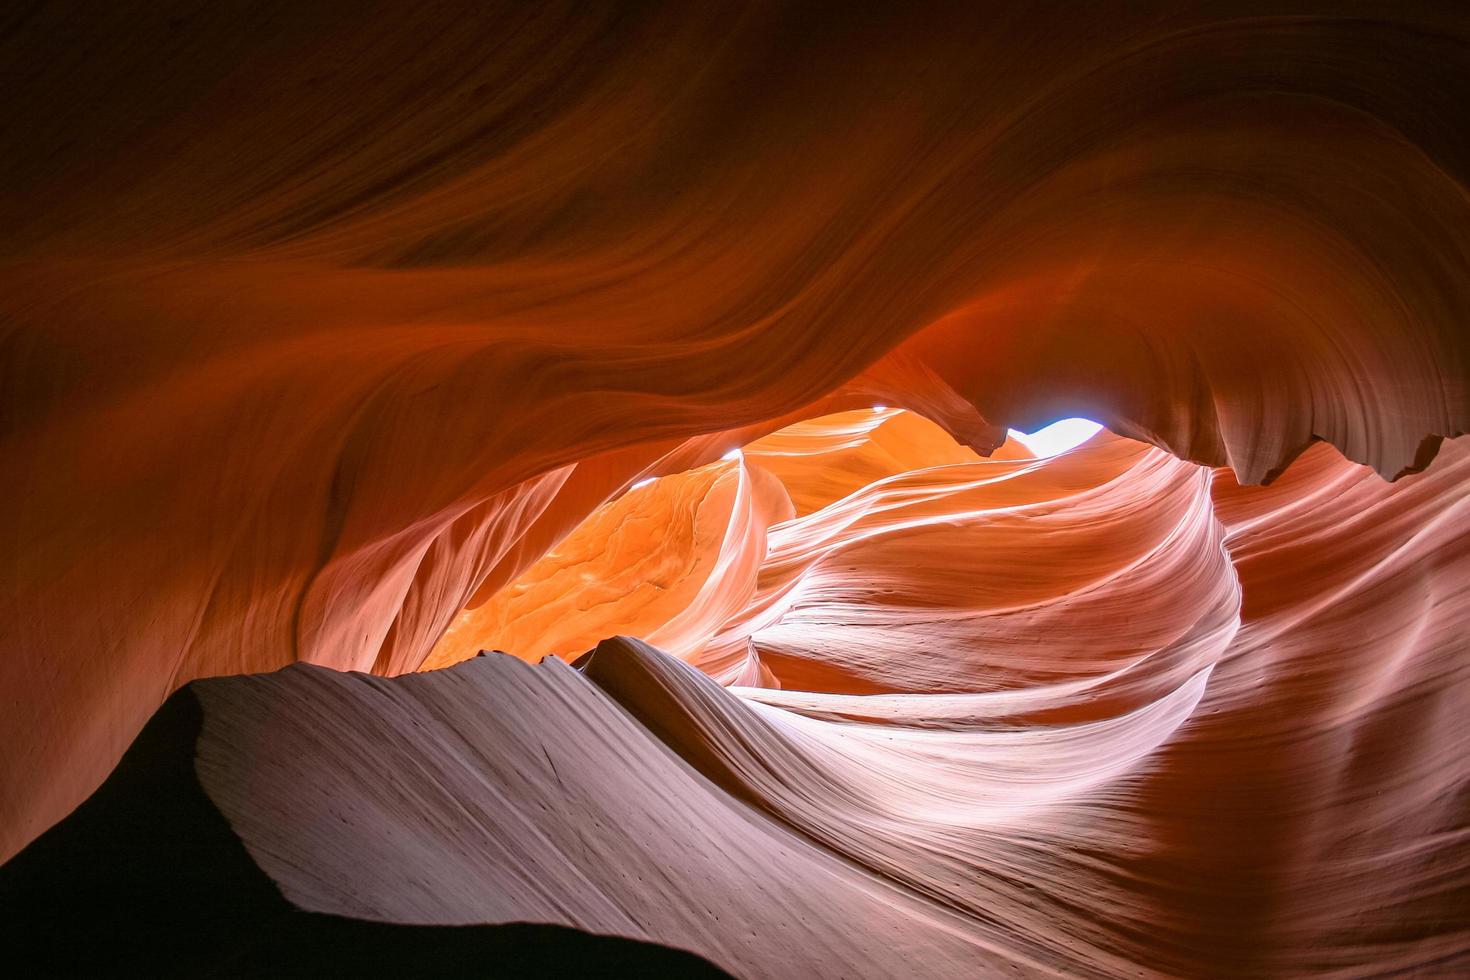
768 490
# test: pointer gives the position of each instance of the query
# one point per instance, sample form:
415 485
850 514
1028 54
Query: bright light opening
1057 437
732 455
880 408
643 482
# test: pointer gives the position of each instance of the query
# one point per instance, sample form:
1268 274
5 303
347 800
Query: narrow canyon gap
341 343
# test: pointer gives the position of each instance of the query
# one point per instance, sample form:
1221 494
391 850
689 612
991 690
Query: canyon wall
321 326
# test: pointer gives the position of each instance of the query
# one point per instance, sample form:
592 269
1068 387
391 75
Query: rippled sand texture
318 329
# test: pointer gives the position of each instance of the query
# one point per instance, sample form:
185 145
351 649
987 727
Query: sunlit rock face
352 341
1233 712
997 711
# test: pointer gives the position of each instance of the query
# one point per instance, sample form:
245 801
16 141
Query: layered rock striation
351 341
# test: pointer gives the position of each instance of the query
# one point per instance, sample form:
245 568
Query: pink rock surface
319 331
1118 689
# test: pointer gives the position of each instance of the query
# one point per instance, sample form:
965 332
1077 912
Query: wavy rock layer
669 561
1230 712
1103 714
147 878
320 327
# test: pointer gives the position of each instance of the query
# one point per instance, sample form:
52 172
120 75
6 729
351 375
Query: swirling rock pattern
322 335
995 680
1101 714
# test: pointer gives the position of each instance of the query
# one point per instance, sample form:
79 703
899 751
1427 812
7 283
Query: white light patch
880 408
732 454
643 482
1057 437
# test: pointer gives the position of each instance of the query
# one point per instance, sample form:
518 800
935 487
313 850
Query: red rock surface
322 334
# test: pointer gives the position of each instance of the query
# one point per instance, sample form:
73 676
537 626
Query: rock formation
337 348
